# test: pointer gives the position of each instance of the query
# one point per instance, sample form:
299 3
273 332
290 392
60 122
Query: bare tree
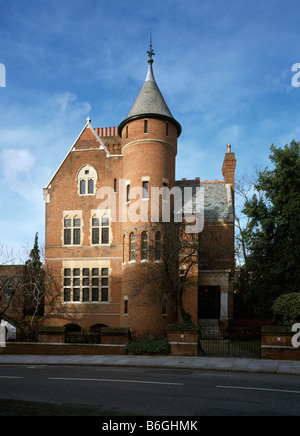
23 288
244 189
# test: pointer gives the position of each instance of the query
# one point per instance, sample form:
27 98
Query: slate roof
150 100
217 199
150 103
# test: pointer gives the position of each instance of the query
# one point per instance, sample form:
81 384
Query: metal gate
232 343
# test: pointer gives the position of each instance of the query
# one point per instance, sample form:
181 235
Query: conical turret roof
150 102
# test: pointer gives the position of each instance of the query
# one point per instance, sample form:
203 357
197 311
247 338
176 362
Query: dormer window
86 179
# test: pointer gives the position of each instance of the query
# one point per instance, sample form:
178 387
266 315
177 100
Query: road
153 392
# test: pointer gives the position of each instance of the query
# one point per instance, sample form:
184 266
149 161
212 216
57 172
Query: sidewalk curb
283 367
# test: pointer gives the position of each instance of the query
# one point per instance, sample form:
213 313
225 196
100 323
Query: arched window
82 187
132 247
91 184
145 246
124 252
86 178
158 246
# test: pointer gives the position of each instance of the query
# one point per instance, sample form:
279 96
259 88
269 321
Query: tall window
128 193
86 285
146 189
124 252
145 246
76 231
72 231
167 129
158 246
132 247
82 186
100 230
146 126
165 190
104 284
91 188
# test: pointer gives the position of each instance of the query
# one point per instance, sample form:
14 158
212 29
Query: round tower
149 147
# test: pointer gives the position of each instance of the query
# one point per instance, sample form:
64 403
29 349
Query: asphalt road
151 392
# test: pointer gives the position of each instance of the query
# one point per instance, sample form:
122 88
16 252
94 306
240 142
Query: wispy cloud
16 163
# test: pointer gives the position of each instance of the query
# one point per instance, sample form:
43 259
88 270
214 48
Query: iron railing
231 343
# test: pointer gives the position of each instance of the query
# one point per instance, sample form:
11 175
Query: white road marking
258 389
9 376
113 380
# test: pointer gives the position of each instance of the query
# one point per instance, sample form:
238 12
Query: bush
145 345
286 309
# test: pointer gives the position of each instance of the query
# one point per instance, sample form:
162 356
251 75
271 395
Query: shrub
145 345
286 309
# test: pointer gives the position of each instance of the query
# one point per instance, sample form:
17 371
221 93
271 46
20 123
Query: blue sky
224 69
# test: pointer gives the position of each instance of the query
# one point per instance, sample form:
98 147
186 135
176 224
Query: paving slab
178 362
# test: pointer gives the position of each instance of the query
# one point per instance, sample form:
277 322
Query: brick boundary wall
59 349
276 344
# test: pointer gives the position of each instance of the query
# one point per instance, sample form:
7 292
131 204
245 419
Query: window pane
76 272
104 294
95 282
67 294
128 192
95 272
165 191
95 294
82 187
67 282
91 186
95 222
95 236
145 189
104 272
104 281
105 236
85 272
67 272
144 246
86 294
68 222
67 237
77 222
76 294
85 281
76 282
105 222
132 247
158 246
77 236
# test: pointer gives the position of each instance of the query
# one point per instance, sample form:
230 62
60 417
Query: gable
87 140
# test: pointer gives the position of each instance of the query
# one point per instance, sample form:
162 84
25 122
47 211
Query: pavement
180 362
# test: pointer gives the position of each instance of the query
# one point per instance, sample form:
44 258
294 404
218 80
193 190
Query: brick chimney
228 168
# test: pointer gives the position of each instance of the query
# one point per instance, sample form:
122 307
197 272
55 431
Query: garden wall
276 343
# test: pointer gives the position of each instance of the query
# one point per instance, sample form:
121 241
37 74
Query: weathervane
151 52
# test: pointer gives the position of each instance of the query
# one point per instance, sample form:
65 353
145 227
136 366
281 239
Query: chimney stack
228 168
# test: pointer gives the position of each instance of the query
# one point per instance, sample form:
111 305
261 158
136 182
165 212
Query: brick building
99 224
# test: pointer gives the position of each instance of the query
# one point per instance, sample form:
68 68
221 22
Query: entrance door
209 302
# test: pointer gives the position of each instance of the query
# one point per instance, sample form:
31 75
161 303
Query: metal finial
151 52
